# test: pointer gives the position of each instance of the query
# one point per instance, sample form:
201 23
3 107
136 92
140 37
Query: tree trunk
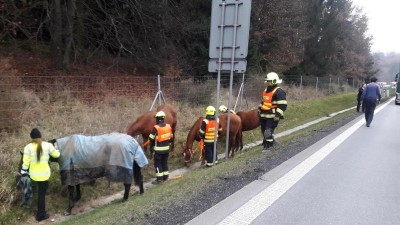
69 35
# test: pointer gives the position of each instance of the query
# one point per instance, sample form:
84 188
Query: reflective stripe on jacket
38 170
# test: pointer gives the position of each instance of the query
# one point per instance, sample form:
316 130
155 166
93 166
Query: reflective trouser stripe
268 116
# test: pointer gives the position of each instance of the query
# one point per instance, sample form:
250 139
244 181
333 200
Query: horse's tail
137 176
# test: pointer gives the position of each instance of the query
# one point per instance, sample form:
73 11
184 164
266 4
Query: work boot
42 217
157 181
165 177
265 149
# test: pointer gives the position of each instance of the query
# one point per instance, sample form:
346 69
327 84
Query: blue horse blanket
86 158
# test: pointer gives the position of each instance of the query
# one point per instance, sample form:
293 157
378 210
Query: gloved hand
24 173
277 118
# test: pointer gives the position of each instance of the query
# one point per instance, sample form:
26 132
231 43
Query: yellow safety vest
38 170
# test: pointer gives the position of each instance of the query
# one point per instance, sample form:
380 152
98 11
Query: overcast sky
384 18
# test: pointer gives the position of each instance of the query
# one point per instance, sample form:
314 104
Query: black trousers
370 106
360 104
161 165
268 126
41 204
209 153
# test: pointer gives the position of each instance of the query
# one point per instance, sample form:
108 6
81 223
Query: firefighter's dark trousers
267 129
209 153
161 165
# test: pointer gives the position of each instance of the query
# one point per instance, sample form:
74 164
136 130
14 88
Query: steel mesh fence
19 94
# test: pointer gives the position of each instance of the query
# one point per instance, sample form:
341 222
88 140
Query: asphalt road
347 177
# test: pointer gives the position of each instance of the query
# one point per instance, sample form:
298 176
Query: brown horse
144 124
250 119
235 136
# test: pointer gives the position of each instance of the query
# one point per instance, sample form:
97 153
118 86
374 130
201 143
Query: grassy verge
75 117
157 199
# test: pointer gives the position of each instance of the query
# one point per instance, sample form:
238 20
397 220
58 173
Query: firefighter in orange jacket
271 109
160 144
207 132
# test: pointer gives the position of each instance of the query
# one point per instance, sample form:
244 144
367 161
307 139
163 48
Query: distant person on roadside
370 97
207 133
35 163
271 109
359 100
160 145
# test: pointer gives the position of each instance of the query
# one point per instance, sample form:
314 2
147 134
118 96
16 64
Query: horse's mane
137 126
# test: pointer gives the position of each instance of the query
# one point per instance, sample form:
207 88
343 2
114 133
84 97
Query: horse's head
187 155
53 142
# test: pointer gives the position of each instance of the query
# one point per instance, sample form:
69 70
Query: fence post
159 94
316 88
301 86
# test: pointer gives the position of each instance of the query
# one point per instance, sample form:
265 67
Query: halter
191 156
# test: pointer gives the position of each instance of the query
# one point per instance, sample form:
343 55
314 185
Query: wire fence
19 94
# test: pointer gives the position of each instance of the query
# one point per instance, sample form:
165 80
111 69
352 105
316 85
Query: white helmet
273 77
160 115
210 110
223 108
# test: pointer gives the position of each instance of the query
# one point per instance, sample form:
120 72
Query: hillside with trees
171 37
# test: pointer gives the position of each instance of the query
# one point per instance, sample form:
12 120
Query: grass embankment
138 208
70 117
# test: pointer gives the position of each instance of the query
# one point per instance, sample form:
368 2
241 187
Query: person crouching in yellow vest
207 132
160 144
35 163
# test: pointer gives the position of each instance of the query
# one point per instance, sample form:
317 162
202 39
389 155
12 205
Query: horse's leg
231 145
173 138
172 143
78 192
70 200
126 192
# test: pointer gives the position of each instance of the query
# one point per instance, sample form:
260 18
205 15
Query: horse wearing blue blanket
117 157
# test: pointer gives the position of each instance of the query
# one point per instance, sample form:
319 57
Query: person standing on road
271 109
35 163
160 145
359 100
371 96
207 132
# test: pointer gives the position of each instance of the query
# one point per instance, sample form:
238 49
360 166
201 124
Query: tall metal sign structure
229 38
